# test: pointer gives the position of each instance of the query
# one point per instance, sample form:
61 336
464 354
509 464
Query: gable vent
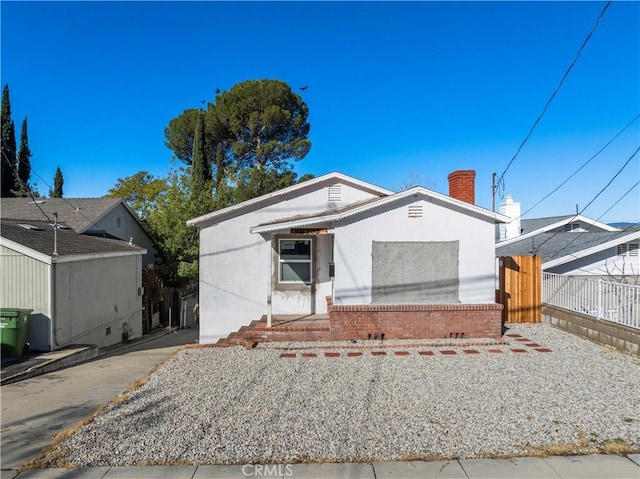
630 249
415 211
335 193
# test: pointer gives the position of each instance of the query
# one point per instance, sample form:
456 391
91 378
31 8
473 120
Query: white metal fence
616 302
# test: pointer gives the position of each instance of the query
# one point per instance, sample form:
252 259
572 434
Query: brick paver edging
402 353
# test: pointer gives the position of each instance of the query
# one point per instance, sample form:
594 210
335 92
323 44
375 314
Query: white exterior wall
94 294
353 248
599 263
236 265
25 284
129 228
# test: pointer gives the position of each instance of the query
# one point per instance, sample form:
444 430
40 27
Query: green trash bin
14 323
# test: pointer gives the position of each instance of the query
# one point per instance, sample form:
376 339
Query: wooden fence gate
520 290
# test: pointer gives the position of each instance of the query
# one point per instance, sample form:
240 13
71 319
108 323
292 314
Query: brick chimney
462 185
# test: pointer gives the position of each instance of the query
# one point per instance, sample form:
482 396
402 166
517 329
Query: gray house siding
25 284
119 223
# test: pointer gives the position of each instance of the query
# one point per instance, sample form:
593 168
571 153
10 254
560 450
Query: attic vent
630 249
37 202
29 227
571 227
335 193
415 211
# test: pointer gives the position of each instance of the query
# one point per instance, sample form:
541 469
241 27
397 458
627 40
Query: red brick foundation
422 321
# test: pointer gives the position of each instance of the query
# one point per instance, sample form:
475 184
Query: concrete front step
257 331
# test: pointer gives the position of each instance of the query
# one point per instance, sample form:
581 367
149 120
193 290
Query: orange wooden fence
520 289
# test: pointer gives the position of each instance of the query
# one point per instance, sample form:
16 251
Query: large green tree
168 225
8 148
258 124
24 161
58 183
142 192
242 146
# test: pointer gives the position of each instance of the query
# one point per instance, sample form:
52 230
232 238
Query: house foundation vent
335 193
415 211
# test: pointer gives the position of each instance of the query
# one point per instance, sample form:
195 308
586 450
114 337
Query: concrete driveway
36 409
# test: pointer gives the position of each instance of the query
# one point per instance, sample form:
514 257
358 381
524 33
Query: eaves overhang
555 225
592 250
236 210
416 191
51 259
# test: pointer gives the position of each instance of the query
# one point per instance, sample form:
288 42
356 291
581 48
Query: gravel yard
231 405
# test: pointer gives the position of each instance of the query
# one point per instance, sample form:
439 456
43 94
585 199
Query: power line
537 248
544 110
599 218
583 165
51 188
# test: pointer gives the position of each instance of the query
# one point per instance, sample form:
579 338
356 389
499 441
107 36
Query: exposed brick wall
428 321
462 185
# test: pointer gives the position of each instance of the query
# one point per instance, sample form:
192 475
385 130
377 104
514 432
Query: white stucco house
82 289
413 264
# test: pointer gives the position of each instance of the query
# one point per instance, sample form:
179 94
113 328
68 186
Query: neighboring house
82 289
107 217
412 264
572 245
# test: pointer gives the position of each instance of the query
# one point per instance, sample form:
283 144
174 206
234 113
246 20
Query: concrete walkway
583 467
36 409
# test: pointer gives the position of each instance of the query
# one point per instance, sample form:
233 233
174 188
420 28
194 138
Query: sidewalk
558 467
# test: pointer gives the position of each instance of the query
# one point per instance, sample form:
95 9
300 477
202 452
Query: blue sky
396 90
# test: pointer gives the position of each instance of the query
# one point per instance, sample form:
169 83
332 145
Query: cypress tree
24 161
8 160
200 168
200 172
219 166
58 181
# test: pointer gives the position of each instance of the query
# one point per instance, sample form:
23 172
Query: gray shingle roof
527 226
533 224
69 242
550 246
76 213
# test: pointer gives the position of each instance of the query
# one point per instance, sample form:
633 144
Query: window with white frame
295 260
628 249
